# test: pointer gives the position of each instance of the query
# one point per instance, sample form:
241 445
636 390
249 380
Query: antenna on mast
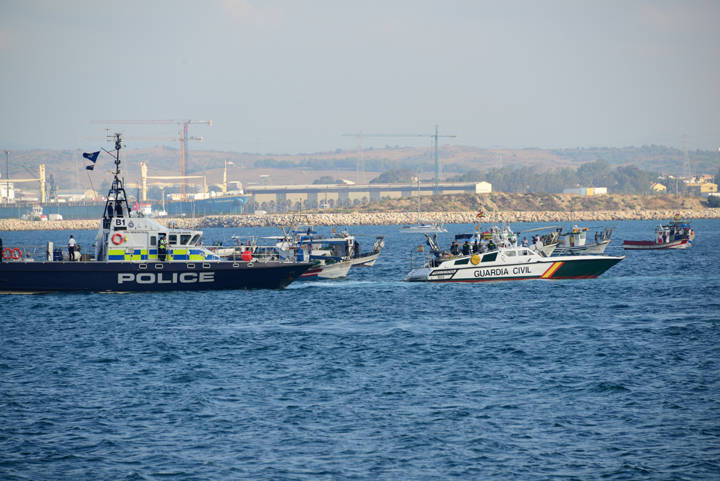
687 173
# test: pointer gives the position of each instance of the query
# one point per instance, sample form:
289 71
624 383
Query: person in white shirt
71 248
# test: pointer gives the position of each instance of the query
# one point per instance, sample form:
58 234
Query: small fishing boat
574 242
332 256
676 234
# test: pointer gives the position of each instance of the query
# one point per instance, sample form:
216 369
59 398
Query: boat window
490 257
462 261
524 252
172 239
153 240
195 239
184 239
510 253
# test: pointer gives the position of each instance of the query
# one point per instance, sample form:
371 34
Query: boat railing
39 253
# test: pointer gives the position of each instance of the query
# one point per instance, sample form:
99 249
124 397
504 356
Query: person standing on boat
71 248
454 248
476 247
466 249
524 242
162 248
597 237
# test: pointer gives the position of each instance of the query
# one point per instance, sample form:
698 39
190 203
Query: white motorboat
511 264
423 227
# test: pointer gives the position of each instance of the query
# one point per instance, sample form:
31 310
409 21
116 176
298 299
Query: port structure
183 137
436 135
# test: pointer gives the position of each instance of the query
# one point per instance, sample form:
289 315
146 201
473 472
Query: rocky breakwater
377 218
395 218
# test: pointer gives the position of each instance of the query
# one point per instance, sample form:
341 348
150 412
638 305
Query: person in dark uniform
356 249
466 249
162 248
476 247
491 245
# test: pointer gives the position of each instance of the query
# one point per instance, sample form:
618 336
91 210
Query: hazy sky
292 76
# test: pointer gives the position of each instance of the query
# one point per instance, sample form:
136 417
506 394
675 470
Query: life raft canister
117 239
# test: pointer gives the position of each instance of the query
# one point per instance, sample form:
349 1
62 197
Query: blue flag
90 167
92 157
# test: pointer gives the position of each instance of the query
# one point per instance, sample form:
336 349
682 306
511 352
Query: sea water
370 377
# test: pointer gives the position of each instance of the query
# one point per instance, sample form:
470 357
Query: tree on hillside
393 176
594 174
325 179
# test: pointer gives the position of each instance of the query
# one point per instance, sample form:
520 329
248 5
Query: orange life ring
19 254
7 253
115 241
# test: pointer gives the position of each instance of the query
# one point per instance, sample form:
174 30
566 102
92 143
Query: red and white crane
183 136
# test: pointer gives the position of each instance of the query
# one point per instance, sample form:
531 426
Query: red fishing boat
677 234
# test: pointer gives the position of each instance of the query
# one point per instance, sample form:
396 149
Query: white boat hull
598 248
504 268
421 229
327 271
365 261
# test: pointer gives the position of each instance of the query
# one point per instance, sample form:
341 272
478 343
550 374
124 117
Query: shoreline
387 218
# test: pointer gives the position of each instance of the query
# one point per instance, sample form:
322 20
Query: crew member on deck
162 248
71 248
466 249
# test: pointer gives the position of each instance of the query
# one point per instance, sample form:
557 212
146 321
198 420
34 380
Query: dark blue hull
27 277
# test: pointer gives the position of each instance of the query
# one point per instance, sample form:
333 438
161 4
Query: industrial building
345 194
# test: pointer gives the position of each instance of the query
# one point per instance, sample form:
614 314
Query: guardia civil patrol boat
508 262
133 253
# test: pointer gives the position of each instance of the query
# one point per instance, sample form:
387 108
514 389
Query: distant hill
68 167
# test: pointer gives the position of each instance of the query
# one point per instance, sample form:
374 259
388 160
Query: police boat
133 253
503 261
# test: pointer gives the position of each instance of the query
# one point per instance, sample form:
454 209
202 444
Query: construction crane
436 135
40 178
50 194
183 136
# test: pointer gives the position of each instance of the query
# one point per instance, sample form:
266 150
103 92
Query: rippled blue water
370 377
